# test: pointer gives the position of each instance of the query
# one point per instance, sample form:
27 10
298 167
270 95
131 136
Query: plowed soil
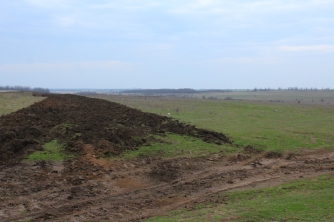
89 188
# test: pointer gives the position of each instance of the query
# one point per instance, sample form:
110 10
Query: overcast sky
167 44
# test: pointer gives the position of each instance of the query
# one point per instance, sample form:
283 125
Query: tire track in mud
191 187
261 180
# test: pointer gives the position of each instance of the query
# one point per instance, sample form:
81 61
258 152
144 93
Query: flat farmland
13 101
73 158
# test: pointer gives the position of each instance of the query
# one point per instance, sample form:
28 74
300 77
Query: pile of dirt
75 120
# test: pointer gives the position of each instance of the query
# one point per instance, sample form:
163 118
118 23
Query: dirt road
93 189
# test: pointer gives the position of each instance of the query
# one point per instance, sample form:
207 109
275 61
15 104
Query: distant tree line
159 91
290 89
215 90
172 91
25 88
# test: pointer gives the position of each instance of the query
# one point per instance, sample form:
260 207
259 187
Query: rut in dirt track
110 127
132 194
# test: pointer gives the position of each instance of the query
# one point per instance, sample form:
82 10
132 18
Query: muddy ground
91 188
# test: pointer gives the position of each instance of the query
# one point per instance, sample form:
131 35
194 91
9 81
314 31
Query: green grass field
265 125
13 101
303 97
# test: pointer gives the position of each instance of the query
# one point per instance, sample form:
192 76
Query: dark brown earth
89 188
76 120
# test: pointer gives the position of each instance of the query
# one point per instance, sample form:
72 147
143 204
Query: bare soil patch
84 190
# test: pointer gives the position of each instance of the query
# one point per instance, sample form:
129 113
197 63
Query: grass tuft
53 151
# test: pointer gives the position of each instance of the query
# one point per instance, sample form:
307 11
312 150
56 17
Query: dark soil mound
109 126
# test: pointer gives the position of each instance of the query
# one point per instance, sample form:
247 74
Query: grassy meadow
13 101
304 97
276 126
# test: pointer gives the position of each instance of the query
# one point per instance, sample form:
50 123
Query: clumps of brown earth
165 171
110 127
247 152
